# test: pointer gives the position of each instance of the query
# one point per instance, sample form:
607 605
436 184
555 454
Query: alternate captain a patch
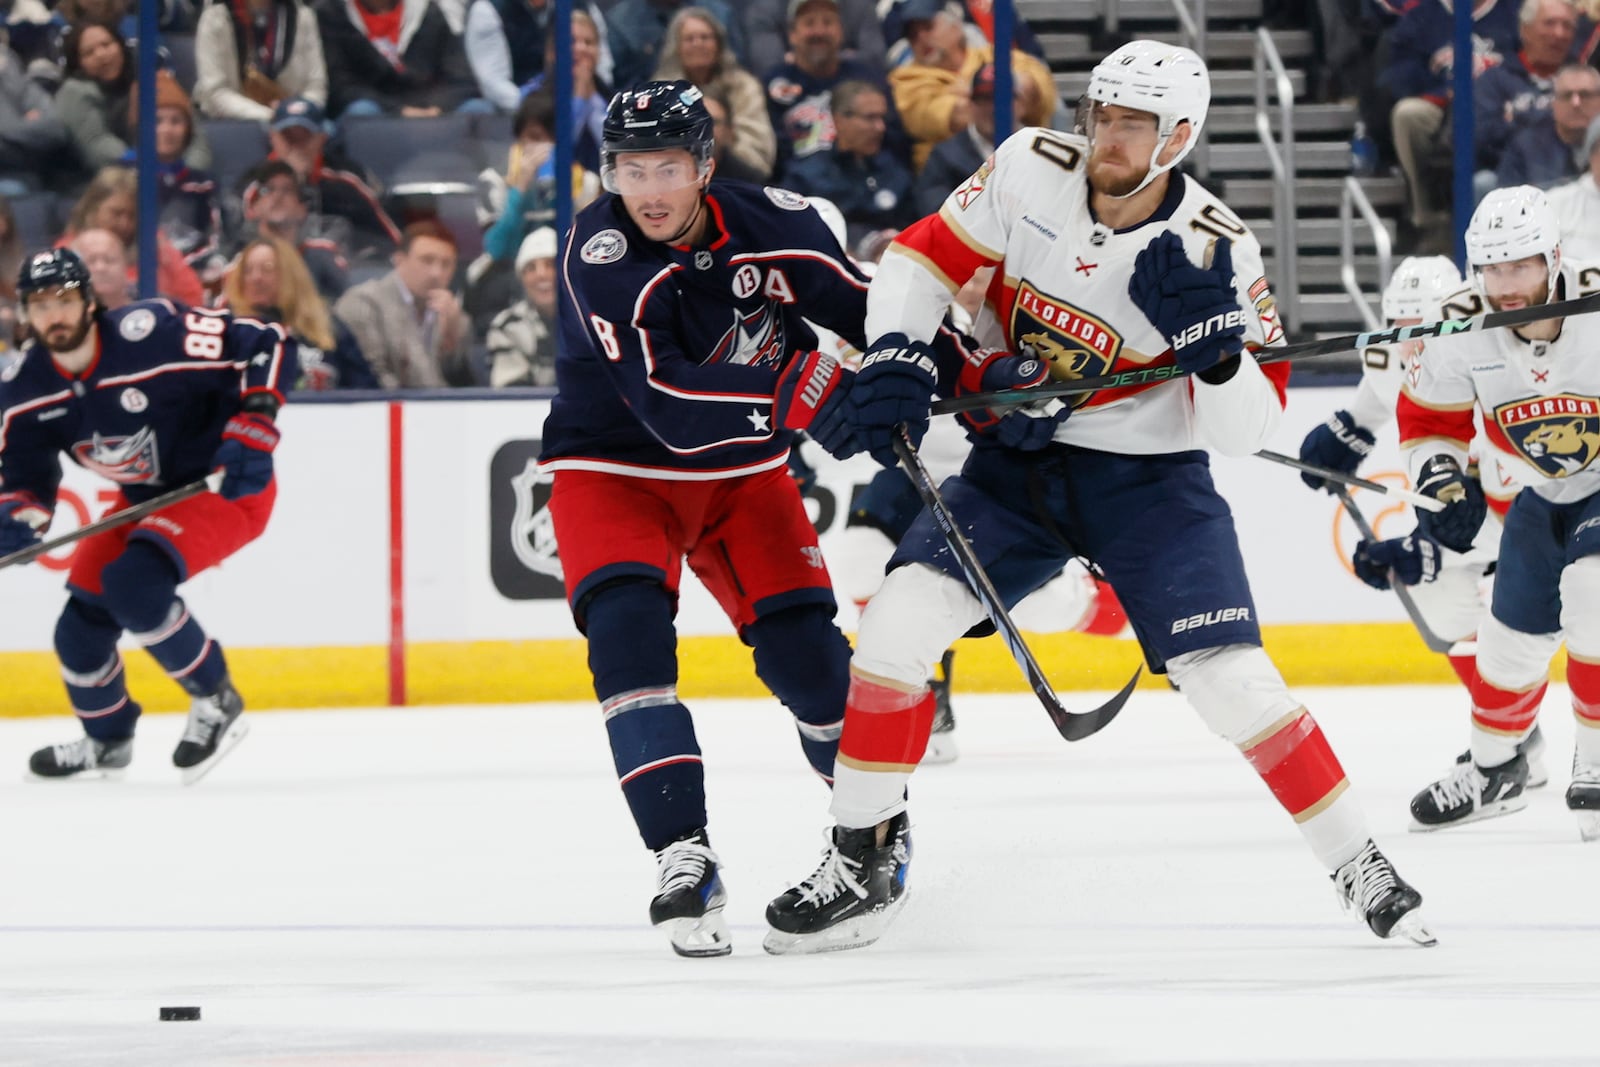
1559 435
1075 343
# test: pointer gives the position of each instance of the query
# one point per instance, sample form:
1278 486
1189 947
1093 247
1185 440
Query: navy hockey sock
141 591
804 659
97 686
632 655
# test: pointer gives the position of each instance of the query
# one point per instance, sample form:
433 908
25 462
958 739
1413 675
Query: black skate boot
850 899
1583 797
83 758
690 897
1370 889
213 729
1471 793
1533 748
942 742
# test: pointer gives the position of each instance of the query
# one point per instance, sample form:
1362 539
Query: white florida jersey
1061 292
1540 400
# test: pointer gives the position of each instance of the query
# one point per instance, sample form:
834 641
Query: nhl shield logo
1075 343
523 564
1558 435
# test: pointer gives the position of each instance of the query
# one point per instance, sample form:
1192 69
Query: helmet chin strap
1156 169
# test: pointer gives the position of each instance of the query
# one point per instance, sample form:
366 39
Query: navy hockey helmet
656 116
53 269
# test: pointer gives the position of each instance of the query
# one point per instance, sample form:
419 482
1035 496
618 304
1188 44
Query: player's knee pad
1059 605
1236 689
139 587
86 637
857 563
1510 659
1452 605
632 644
1580 607
919 612
804 659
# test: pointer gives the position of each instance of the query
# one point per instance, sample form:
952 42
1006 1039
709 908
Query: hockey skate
1470 793
214 728
83 758
1533 748
942 742
851 898
1583 798
690 897
1370 889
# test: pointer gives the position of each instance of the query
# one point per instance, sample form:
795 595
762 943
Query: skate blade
696 938
1491 811
1410 927
1588 825
941 749
857 932
99 774
231 737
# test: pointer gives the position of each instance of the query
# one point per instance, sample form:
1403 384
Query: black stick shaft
115 519
1434 642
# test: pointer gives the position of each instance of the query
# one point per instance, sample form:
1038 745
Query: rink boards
408 561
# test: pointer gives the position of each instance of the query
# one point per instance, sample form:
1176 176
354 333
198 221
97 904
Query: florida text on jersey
148 412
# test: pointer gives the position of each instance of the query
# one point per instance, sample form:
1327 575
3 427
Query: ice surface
462 886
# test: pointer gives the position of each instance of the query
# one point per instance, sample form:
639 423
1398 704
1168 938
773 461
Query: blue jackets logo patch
1559 435
126 460
604 247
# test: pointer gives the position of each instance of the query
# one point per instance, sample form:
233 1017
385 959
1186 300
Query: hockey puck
180 1015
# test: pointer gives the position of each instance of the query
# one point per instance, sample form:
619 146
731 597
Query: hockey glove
1465 507
245 455
810 397
1338 444
23 519
895 385
1413 559
1195 308
1028 427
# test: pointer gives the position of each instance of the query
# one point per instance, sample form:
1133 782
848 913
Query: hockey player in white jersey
1538 389
1109 260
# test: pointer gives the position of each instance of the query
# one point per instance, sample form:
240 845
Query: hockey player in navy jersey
686 363
151 396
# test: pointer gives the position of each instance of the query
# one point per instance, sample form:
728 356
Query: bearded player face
60 318
1121 144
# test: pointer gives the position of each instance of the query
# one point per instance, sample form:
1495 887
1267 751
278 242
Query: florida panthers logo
1074 343
1558 435
126 460
755 339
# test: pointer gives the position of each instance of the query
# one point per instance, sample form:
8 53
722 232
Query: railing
1192 30
1280 157
1354 199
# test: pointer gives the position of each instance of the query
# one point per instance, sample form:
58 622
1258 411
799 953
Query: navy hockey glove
1465 507
895 385
245 455
1338 444
22 520
810 397
1414 559
1195 308
1028 427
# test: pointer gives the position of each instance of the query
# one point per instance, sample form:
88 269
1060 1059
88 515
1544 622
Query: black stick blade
1075 726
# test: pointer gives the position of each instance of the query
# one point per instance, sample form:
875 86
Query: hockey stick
1434 642
1416 500
115 519
1305 349
1074 726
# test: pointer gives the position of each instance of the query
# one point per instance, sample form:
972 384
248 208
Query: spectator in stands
190 215
1505 95
270 282
509 46
92 102
278 208
252 54
725 136
409 324
109 270
394 57
977 21
798 89
769 24
111 203
866 183
1577 205
696 50
12 253
590 94
1549 148
32 138
639 41
1418 76
932 92
525 198
953 161
522 338
299 137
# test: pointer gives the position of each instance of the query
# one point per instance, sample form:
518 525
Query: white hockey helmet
1167 80
1418 286
1511 224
